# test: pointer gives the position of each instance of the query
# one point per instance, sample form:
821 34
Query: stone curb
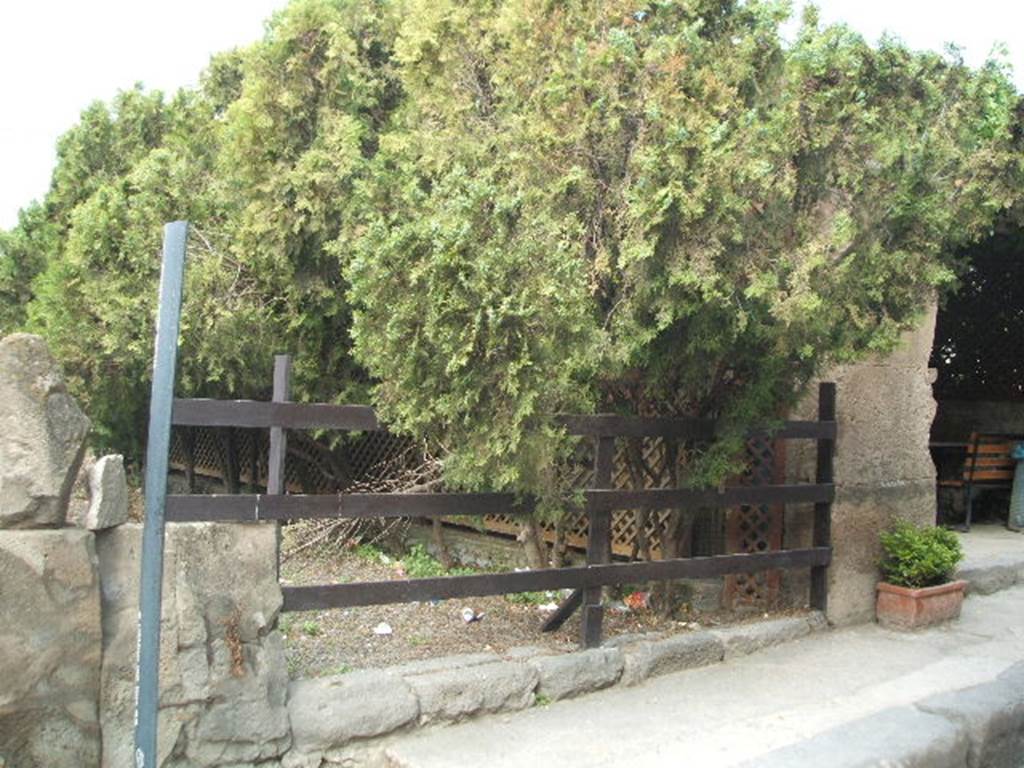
346 712
572 674
977 727
898 736
994 577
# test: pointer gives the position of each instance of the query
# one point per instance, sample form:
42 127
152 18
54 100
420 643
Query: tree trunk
442 549
533 544
558 551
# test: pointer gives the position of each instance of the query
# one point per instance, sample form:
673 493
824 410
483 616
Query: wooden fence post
279 440
822 534
598 541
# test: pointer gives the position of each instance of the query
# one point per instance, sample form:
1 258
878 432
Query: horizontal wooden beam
614 425
323 596
259 414
251 507
687 498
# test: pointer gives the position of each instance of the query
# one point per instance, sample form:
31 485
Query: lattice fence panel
708 529
756 529
312 467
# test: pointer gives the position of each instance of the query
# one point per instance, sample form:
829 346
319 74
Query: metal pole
147 678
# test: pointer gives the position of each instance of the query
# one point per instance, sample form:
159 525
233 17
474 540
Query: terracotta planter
904 608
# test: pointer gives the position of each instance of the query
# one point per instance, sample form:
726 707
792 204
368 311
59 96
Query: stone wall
49 649
49 589
223 676
883 468
69 584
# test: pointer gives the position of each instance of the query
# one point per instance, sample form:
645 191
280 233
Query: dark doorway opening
979 358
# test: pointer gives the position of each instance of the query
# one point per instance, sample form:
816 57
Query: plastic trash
469 615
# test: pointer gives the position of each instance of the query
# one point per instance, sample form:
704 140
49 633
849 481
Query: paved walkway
744 709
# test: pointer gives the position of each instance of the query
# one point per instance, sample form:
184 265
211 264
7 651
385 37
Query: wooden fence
600 500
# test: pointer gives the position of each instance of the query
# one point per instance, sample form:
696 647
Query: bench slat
992 461
989 476
992 450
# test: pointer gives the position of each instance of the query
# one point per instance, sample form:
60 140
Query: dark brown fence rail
600 501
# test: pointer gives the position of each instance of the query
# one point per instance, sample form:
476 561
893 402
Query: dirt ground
336 641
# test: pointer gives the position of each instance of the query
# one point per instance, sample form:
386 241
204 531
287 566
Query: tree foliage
584 205
494 212
260 158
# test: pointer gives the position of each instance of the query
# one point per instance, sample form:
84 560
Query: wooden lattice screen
310 466
313 468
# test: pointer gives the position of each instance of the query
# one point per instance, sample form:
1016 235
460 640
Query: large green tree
653 207
497 211
261 159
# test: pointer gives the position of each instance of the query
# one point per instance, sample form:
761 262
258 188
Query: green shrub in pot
919 556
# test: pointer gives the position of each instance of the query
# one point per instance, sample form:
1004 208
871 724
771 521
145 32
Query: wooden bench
988 463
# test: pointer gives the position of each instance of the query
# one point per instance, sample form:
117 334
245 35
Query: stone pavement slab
993 559
753 710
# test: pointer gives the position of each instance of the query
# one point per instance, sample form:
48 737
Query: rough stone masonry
69 602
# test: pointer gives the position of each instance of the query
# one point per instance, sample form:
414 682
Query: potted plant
917 570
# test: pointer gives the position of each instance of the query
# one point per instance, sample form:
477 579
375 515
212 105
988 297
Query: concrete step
993 559
851 697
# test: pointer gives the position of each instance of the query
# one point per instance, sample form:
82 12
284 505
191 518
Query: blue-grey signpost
147 678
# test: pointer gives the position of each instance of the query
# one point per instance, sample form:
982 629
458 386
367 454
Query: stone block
992 715
987 579
223 675
900 736
328 712
453 694
43 432
660 657
108 494
571 674
50 646
744 639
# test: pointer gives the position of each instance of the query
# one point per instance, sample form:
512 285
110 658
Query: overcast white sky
57 56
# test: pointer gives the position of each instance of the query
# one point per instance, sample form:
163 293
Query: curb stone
987 579
899 736
650 659
328 712
454 694
745 639
572 674
977 727
347 717
991 714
